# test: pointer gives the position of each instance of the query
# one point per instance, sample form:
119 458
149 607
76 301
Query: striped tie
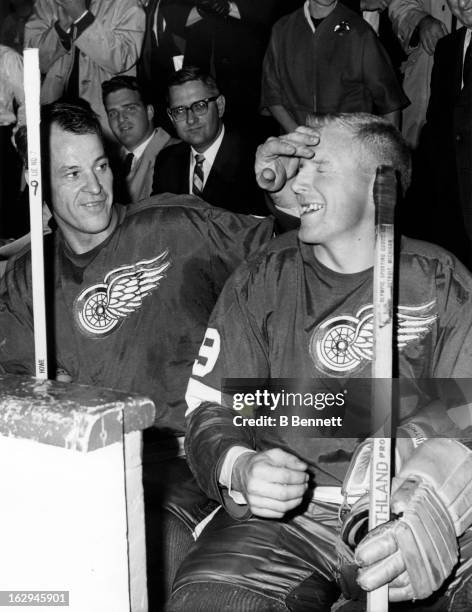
197 181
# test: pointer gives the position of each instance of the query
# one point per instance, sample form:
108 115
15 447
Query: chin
308 236
196 142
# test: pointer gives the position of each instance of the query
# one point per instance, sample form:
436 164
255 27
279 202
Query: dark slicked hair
192 73
123 82
77 118
379 140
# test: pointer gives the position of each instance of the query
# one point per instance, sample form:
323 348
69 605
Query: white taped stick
32 84
381 421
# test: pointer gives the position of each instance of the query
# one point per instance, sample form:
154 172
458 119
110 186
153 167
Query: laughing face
333 190
81 188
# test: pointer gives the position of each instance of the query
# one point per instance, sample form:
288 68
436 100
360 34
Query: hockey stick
385 195
32 90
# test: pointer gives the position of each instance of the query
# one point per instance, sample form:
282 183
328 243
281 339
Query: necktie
72 87
197 181
467 72
127 164
72 90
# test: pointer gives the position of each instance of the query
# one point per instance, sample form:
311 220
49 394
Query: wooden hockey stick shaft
32 86
385 195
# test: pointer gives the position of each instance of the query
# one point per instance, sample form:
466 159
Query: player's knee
215 597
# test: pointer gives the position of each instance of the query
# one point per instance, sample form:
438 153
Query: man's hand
432 498
278 158
430 31
413 554
7 118
73 9
273 482
277 162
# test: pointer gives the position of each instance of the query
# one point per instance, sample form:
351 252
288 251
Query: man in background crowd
83 43
131 120
325 58
213 162
419 25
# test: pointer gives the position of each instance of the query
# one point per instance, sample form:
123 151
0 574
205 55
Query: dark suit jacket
446 147
155 65
231 183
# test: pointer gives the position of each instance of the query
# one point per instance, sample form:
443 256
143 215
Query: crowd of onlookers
172 80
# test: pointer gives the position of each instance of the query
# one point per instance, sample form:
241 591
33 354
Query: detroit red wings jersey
131 313
285 315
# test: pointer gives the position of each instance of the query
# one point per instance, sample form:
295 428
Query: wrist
238 475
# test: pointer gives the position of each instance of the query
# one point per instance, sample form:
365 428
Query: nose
122 116
301 183
92 184
191 117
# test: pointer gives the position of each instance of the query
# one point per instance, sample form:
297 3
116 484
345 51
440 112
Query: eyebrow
103 157
317 161
137 103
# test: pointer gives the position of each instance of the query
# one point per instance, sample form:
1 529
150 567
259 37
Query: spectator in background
375 12
213 162
12 115
163 48
444 180
83 43
12 99
131 120
324 58
12 30
419 24
228 40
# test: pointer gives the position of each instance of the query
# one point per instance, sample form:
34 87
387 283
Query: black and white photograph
236 305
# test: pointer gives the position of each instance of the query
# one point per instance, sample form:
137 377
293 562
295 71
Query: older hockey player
302 309
129 291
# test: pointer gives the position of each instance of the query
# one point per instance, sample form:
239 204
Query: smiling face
198 131
81 188
334 192
462 9
130 120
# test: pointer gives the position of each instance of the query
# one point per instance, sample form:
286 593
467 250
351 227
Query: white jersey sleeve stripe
197 393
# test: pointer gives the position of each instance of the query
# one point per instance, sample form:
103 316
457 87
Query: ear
220 105
150 112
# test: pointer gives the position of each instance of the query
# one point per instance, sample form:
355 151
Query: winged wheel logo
101 308
342 344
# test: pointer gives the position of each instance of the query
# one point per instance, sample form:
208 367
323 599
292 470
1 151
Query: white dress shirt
139 150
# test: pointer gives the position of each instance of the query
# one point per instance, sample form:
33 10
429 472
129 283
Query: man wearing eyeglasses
212 162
